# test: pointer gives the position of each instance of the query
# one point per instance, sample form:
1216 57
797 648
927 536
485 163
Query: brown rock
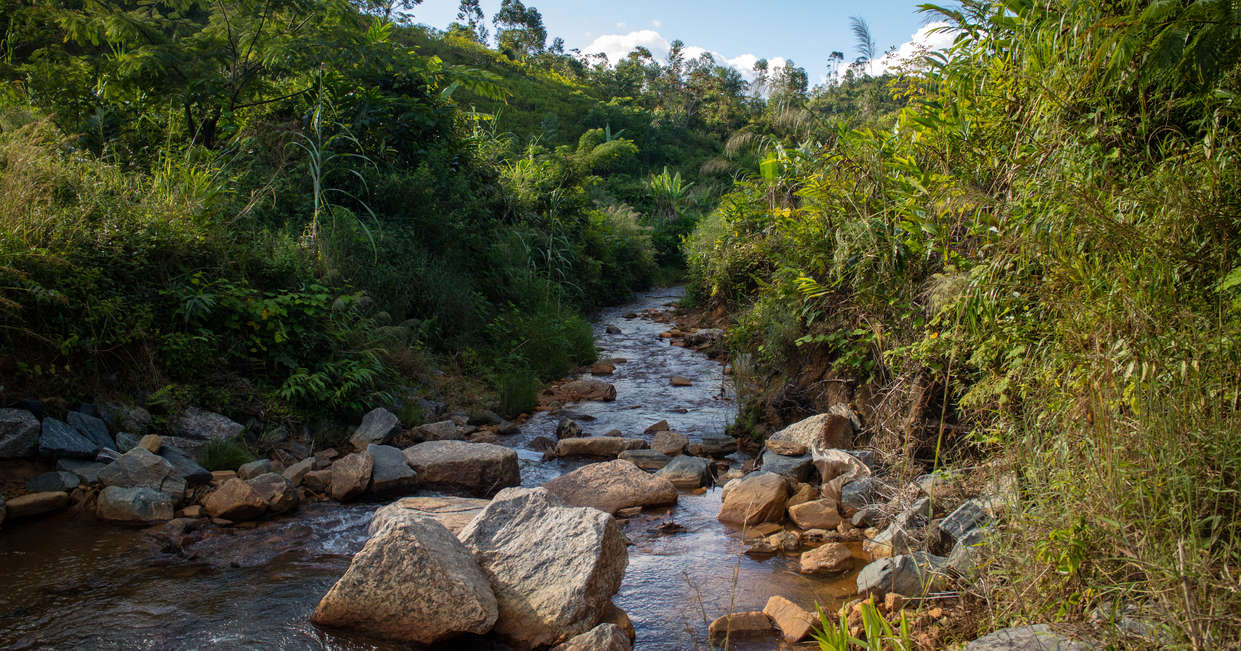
763 529
221 476
669 443
786 448
827 559
151 443
611 486
583 390
602 368
614 615
604 637
816 514
792 620
36 504
235 500
318 480
191 511
823 431
351 476
738 625
758 497
597 446
804 493
451 512
480 469
680 381
412 582
661 426
296 472
279 494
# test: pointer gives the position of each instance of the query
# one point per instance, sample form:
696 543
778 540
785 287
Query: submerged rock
413 581
611 486
597 446
757 497
553 567
137 505
587 390
479 469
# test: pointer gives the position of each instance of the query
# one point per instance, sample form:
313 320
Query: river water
67 582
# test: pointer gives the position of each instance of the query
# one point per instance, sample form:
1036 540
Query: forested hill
294 210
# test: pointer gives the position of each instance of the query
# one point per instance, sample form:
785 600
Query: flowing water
66 582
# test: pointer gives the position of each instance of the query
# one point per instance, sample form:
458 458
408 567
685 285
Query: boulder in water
757 497
479 469
136 505
604 637
611 486
597 446
235 500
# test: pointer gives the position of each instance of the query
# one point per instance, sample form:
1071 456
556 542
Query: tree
862 40
472 16
519 30
385 8
557 46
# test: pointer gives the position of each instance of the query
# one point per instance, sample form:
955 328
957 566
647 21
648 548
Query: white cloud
928 38
618 46
657 23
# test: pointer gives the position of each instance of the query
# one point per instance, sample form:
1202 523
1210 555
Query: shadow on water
70 583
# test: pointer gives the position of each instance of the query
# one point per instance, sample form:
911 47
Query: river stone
686 472
738 625
793 622
412 582
899 535
92 428
452 512
318 480
1021 638
53 481
86 471
351 475
554 568
235 500
19 434
649 460
816 514
141 468
378 425
804 493
718 446
837 468
604 637
391 474
829 558
480 469
597 446
276 491
133 505
444 430
198 425
796 469
757 497
125 418
297 472
786 448
254 468
611 486
35 504
943 535
587 390
60 439
568 429
193 473
859 494
669 443
661 426
822 431
126 441
909 575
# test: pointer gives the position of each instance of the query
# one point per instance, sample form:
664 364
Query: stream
68 582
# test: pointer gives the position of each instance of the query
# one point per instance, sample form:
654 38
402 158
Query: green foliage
224 454
878 634
519 391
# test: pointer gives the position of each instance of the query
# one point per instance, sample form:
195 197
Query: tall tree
519 29
470 14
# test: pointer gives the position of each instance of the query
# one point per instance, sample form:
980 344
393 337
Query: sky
733 31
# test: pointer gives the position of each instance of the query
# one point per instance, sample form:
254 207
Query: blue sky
806 32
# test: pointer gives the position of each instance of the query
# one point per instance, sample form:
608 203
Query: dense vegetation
1034 264
295 209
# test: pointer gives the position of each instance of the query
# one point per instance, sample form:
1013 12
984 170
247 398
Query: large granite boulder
597 446
816 514
553 567
235 500
649 460
60 439
19 434
822 431
611 486
452 512
479 469
757 497
139 467
378 425
669 442
351 476
412 582
391 474
686 472
797 469
92 428
133 505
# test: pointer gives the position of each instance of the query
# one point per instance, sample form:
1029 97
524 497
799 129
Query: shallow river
71 583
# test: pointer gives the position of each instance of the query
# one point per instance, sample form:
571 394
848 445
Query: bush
224 454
